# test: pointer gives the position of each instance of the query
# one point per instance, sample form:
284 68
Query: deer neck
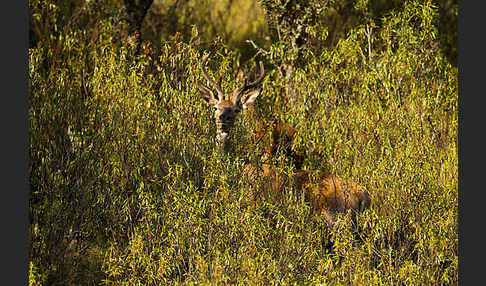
260 127
251 111
222 140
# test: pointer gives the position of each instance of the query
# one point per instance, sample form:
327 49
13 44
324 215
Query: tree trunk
136 11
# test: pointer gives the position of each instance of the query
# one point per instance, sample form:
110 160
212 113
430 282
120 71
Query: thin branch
259 50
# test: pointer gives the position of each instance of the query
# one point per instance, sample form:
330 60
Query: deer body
329 195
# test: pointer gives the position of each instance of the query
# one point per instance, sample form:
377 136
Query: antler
247 86
216 86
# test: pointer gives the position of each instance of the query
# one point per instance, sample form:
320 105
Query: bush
127 187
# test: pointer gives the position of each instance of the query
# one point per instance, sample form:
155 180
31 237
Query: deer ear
207 94
249 98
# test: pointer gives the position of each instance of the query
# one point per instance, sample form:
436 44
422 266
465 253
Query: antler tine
260 77
246 86
212 82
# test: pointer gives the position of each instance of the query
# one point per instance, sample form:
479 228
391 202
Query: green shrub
127 187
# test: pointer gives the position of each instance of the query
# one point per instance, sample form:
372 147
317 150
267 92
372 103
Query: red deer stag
329 195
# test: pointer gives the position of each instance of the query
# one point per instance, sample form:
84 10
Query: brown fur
282 137
280 141
329 195
268 182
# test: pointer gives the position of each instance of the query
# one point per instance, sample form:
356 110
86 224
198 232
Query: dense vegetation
127 186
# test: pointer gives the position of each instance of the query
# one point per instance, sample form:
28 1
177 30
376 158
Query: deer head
225 111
